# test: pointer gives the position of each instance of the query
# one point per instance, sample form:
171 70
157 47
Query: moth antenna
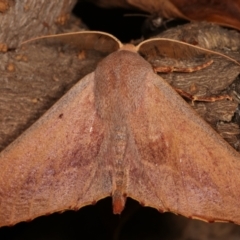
165 47
94 40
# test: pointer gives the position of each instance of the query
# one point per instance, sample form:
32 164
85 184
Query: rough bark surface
28 18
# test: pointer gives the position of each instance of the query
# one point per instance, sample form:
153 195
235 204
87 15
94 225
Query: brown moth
121 131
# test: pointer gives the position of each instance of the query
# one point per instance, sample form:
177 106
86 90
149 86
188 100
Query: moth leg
168 69
194 98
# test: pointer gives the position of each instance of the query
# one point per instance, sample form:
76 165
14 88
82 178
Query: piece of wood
25 23
122 131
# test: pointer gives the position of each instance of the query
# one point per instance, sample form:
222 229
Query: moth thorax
120 81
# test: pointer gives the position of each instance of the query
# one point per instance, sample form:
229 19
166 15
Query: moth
121 131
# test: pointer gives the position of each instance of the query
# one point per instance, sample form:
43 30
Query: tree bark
25 19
